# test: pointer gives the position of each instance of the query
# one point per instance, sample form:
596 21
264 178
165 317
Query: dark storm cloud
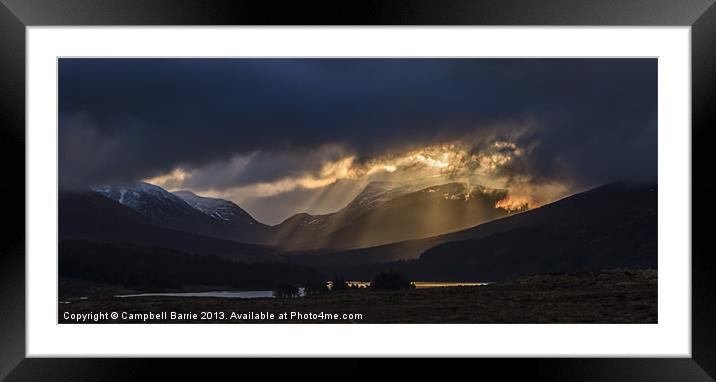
262 167
593 120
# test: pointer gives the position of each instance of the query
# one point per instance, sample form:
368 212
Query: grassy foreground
619 296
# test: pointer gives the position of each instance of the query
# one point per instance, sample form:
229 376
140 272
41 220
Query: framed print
462 180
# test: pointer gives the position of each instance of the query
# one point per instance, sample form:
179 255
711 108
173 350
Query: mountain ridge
602 211
185 213
88 215
378 216
609 226
217 208
381 213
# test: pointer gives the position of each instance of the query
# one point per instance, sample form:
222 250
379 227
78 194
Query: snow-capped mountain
376 193
89 215
150 200
186 211
216 208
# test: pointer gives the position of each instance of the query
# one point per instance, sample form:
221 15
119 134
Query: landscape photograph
357 190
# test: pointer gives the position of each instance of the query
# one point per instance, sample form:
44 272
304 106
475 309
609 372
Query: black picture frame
16 15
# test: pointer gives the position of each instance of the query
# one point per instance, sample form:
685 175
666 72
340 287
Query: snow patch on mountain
148 199
216 208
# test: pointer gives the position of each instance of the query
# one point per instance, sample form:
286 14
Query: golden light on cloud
171 180
524 195
516 203
430 165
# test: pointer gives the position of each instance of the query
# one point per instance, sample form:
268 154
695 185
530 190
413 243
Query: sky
281 136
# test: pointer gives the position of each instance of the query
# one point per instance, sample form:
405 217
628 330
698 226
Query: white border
670 337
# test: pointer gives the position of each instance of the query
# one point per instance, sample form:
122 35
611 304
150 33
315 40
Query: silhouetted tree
391 281
285 291
315 288
339 283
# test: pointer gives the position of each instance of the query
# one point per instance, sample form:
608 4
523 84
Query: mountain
607 227
300 229
377 192
154 202
186 211
218 209
89 215
384 213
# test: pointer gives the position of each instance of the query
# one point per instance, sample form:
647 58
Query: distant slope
381 215
218 209
153 268
543 249
91 216
302 230
609 226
